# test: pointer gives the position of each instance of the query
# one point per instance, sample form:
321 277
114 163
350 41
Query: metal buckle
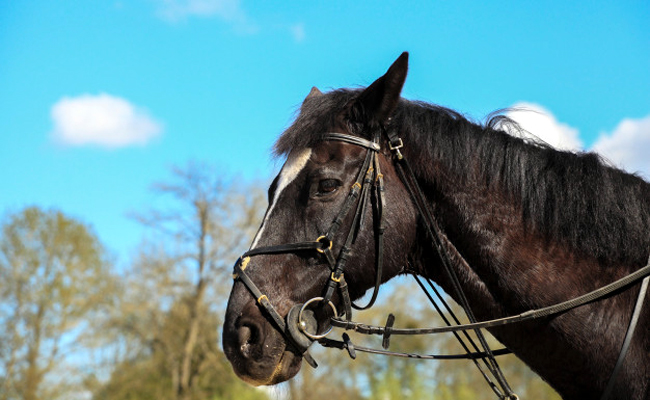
243 263
262 297
396 148
319 240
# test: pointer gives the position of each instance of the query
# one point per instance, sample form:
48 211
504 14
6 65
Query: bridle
368 176
300 327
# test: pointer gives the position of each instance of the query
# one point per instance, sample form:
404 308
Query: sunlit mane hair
574 197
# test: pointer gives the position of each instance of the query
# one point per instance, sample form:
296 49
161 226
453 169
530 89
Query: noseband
301 329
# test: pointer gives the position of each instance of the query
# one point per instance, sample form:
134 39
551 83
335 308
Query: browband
352 139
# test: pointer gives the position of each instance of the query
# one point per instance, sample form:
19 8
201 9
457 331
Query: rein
369 185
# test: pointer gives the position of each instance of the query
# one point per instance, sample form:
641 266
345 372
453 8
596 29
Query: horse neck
497 252
476 221
506 266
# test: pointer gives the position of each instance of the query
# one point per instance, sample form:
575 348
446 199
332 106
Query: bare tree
205 222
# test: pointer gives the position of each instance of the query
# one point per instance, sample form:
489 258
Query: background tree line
72 325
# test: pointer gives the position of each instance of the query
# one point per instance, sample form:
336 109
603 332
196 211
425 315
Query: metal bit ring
314 336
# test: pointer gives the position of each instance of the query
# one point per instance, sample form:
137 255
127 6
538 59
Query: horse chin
264 374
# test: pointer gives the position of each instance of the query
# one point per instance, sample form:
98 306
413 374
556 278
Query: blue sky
98 101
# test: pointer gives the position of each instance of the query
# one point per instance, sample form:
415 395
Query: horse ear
378 101
314 92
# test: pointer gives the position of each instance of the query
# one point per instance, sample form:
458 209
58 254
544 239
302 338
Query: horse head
335 195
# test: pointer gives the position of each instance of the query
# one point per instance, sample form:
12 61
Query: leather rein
301 329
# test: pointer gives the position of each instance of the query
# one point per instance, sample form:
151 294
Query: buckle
398 145
320 240
240 265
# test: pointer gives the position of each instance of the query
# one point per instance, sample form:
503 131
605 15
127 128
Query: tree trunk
33 376
185 383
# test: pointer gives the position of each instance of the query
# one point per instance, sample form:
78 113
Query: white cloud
541 123
101 120
227 10
628 146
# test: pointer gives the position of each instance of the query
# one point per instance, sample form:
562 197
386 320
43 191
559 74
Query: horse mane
573 197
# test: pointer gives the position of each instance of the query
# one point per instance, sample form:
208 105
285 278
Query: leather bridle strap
408 178
285 248
380 227
347 345
375 180
370 145
628 336
543 312
263 301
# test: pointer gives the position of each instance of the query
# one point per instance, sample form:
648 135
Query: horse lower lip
283 369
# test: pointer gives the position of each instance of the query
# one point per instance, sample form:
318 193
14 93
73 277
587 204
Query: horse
528 226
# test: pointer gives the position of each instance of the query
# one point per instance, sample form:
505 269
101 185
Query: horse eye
328 186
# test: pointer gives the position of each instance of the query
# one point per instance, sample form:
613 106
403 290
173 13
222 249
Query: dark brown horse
532 227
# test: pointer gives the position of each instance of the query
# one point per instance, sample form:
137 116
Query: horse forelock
316 117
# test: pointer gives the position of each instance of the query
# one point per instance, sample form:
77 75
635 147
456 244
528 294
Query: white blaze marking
291 169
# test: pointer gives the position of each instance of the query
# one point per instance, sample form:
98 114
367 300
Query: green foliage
151 374
55 280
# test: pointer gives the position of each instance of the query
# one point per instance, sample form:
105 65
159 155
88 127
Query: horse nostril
249 337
